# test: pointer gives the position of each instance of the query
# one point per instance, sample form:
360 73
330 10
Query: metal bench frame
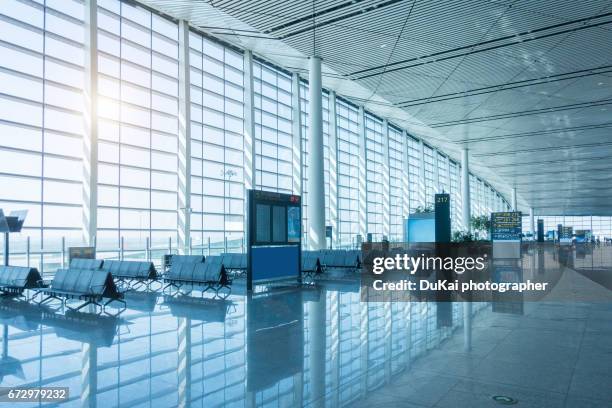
92 297
224 281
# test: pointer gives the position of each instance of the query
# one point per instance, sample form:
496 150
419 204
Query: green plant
462 236
481 223
424 209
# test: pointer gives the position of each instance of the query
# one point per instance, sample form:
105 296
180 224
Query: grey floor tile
525 374
420 387
591 385
475 394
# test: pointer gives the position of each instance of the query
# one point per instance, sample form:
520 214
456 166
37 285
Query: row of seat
15 279
317 261
130 269
211 274
88 285
234 261
82 263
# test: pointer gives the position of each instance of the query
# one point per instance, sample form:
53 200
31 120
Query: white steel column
297 134
363 195
405 177
333 169
422 188
249 132
316 173
249 123
513 203
465 190
532 222
386 204
184 140
90 116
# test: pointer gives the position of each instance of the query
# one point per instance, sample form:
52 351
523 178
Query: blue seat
15 279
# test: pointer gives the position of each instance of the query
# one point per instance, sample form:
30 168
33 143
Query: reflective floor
321 347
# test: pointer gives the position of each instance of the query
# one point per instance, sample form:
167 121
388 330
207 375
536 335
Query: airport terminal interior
189 191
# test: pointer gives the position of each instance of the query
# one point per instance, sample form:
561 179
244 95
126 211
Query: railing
48 261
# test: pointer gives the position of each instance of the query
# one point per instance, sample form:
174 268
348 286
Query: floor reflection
318 346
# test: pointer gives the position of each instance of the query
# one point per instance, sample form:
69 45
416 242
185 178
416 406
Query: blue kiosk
274 237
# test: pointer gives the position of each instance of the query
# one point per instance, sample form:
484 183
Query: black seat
210 274
133 273
15 279
88 285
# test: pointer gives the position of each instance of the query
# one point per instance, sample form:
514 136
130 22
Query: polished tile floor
317 346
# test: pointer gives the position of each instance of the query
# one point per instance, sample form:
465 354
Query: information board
506 226
540 230
565 235
81 253
442 218
274 236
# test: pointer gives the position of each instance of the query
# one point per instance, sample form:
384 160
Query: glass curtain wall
414 173
217 146
430 183
374 176
273 144
41 123
396 177
138 124
347 128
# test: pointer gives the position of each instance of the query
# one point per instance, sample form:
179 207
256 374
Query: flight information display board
274 236
565 235
506 226
540 230
442 217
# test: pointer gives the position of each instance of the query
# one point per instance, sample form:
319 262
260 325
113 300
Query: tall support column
422 186
316 174
405 177
363 194
296 116
90 115
386 204
249 131
532 222
513 203
249 123
184 141
465 190
333 169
